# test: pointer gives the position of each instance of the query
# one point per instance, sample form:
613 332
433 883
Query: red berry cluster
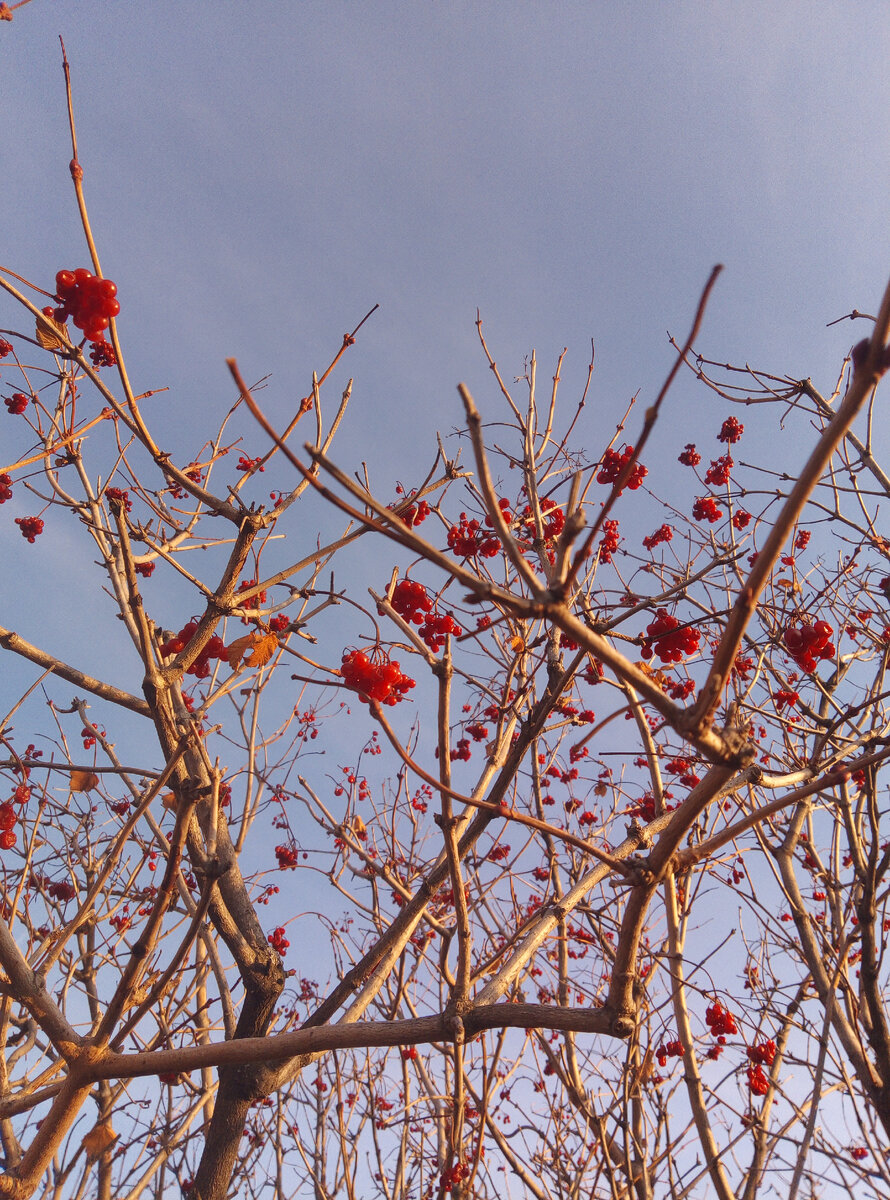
613 463
665 638
7 826
415 514
16 403
31 527
765 1052
720 1021
288 857
610 541
468 538
741 519
200 668
5 348
504 506
90 302
690 456
411 601
757 1081
731 431
667 1050
663 534
807 644
278 941
374 678
705 508
249 464
552 518
718 472
436 629
5 488
102 355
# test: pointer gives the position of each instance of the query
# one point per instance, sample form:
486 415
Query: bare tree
588 889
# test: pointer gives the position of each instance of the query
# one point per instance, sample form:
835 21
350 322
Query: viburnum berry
718 472
665 638
411 601
287 857
610 541
5 348
7 839
278 941
374 677
757 1081
802 539
553 519
662 534
731 431
765 1052
5 488
468 538
89 301
16 404
249 464
690 456
808 644
436 628
415 514
719 1020
113 493
667 1050
705 508
741 519
102 355
613 463
31 527
7 816
144 569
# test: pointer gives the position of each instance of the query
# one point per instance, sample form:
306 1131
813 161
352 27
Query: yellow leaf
255 649
99 1138
50 341
83 781
517 643
358 825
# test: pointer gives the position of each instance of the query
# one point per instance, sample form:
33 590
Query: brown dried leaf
168 801
255 649
50 341
99 1138
83 781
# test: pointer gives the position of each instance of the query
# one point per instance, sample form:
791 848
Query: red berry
16 403
7 839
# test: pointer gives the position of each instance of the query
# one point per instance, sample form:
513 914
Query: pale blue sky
260 174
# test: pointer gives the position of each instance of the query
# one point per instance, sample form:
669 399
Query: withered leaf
252 650
100 1137
51 341
83 781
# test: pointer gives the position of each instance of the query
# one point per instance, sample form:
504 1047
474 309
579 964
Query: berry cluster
706 508
610 541
90 302
807 644
663 534
552 518
763 1053
288 857
278 941
7 826
665 638
5 488
741 519
374 678
614 462
31 527
415 514
16 403
757 1081
468 538
731 431
718 472
5 348
200 668
720 1022
690 456
673 1049
436 628
410 600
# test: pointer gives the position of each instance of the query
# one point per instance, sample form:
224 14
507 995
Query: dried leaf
83 781
255 649
168 800
99 1138
517 643
358 825
51 341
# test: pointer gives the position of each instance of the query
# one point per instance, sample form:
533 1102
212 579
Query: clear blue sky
260 174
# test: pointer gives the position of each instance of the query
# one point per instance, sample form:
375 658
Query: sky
259 176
